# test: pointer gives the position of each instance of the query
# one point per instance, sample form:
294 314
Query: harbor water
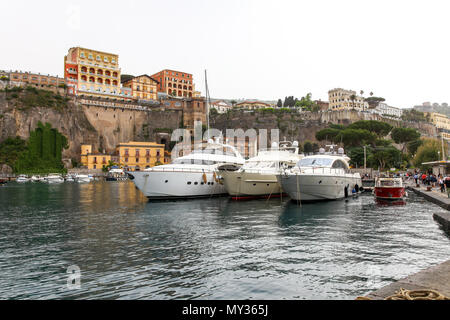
128 248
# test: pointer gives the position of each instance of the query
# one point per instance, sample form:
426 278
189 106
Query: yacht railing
191 170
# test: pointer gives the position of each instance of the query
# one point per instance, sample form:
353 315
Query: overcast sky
251 49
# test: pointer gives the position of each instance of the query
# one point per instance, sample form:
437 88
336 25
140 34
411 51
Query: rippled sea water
129 248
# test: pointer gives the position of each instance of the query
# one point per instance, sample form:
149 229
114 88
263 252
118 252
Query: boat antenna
207 104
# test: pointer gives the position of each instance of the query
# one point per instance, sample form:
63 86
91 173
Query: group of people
432 180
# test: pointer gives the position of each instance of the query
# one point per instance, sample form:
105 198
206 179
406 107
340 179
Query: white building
384 109
220 106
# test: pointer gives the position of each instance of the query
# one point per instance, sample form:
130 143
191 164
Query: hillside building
341 99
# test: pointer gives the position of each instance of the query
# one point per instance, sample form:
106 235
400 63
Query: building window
126 159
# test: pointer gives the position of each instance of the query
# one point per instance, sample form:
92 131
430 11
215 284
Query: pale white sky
251 49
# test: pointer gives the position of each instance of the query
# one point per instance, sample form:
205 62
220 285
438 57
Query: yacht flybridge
324 176
257 177
189 176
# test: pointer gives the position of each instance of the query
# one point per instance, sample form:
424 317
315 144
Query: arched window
83 78
100 80
108 73
100 71
83 69
92 70
114 74
115 83
108 82
91 79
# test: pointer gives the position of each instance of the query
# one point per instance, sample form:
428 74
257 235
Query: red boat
389 189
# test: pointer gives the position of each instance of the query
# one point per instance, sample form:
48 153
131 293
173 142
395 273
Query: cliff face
303 126
103 128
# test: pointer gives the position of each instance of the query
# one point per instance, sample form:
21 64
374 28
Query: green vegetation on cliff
10 150
40 154
30 97
370 134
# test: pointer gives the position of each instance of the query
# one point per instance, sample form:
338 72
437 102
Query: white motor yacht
54 178
190 176
320 177
22 178
257 177
69 178
36 179
82 178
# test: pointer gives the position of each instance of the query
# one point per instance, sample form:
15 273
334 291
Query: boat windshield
220 151
260 164
315 162
389 183
194 161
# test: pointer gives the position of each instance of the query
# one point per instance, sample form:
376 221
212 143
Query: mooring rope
403 294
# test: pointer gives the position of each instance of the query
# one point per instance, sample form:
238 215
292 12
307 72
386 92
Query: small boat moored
22 178
389 189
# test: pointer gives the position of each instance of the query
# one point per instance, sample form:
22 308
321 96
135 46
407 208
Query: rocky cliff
104 128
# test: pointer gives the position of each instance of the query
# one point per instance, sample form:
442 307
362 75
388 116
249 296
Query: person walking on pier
447 185
416 178
441 184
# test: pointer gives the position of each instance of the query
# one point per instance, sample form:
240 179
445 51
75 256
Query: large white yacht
54 178
257 177
320 177
190 176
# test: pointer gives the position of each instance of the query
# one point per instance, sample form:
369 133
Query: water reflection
127 247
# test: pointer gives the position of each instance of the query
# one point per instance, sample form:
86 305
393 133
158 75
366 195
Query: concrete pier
436 278
438 198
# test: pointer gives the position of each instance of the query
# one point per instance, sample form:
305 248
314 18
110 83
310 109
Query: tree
404 135
413 115
44 151
428 151
306 103
328 134
356 156
233 102
308 147
381 129
11 149
355 137
279 103
353 98
412 146
387 157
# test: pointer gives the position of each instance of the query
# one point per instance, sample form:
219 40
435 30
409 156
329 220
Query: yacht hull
158 185
304 187
244 185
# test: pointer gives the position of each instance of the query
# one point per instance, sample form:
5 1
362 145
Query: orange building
175 83
142 87
93 73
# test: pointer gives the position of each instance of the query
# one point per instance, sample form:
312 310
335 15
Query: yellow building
140 155
252 105
86 149
441 121
93 160
341 99
93 73
143 87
